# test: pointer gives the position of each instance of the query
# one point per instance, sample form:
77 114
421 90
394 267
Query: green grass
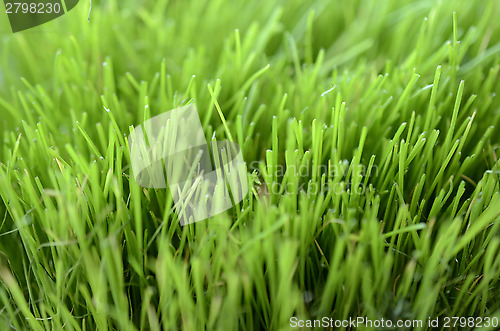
391 106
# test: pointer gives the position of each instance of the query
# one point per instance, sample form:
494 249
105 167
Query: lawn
371 136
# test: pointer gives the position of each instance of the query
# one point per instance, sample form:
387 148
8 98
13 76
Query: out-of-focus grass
370 131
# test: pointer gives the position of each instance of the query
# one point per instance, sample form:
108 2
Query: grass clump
370 130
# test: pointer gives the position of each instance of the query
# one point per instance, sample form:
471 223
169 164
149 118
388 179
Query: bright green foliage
391 106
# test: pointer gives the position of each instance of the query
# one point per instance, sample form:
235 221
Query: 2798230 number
471 322
32 8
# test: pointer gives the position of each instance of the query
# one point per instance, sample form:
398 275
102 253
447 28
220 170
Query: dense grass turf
371 132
